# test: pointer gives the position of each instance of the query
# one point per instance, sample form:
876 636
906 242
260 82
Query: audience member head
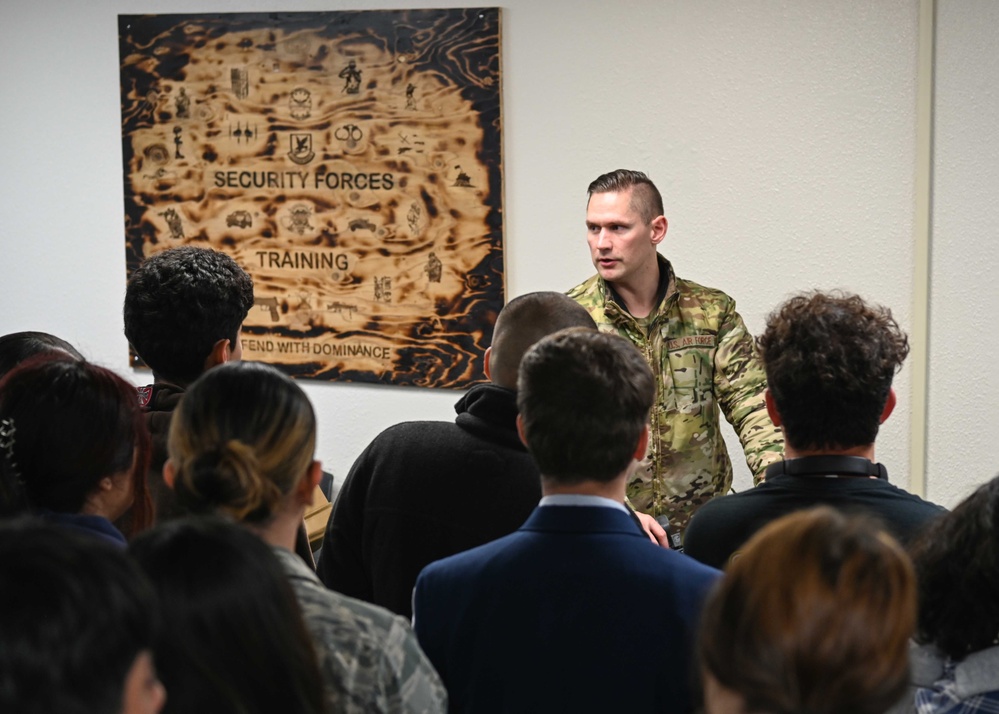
16 347
183 311
524 321
77 623
646 200
233 639
75 439
241 440
957 569
584 399
815 616
830 359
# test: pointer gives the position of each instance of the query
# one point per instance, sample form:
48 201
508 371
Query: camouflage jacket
369 657
702 357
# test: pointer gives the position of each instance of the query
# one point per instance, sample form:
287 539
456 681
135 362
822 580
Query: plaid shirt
969 686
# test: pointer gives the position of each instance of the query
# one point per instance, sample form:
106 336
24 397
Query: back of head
70 424
524 321
830 359
179 303
233 637
815 616
16 347
74 615
646 200
241 439
957 568
584 398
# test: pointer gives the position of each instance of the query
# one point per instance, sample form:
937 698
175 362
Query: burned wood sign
349 161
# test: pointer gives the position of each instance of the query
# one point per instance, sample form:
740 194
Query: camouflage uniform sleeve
412 684
740 382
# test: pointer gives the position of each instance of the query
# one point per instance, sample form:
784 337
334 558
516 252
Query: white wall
964 342
782 134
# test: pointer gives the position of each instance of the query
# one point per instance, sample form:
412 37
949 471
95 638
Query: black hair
73 423
74 615
830 359
179 303
16 347
234 641
957 570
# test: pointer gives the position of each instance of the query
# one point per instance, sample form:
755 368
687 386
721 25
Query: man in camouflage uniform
699 349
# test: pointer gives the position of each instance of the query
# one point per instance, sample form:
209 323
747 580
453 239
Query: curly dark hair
645 197
957 571
179 303
830 359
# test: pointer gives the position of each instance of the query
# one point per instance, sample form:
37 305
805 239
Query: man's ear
771 407
520 430
659 226
889 406
220 354
485 367
169 473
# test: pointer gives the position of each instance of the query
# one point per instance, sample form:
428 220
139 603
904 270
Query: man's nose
603 239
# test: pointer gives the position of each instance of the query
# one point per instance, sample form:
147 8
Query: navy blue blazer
577 611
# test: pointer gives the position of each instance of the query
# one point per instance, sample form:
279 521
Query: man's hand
655 531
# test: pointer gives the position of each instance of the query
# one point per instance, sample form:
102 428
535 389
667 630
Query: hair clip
7 433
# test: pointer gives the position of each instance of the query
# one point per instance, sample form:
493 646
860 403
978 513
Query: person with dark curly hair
830 359
183 311
955 668
814 617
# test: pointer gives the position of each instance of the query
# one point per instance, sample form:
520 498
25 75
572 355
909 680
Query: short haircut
16 347
524 321
74 423
584 398
74 615
830 359
179 303
957 568
646 200
241 439
233 638
814 616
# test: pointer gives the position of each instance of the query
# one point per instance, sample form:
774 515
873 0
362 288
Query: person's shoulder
413 433
902 496
719 523
587 292
470 563
703 297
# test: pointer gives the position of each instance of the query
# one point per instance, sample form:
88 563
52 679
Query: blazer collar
581 519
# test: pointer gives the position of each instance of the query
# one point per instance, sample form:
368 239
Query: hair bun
227 478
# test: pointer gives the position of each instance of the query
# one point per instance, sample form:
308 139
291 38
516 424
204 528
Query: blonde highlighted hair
241 439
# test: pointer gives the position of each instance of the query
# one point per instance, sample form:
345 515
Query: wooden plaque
349 161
